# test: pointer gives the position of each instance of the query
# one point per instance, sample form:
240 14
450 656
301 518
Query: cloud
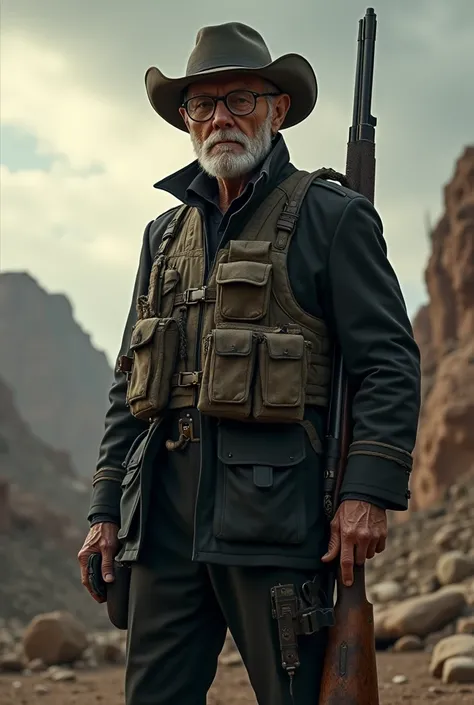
72 80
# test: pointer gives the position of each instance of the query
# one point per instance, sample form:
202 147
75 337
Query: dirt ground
105 687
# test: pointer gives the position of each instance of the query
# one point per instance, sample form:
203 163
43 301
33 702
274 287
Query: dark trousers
180 611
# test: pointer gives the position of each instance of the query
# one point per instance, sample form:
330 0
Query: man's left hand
358 532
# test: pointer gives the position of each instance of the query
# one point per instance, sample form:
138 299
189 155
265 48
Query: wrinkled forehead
220 85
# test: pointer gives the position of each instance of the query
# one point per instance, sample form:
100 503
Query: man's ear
281 105
185 117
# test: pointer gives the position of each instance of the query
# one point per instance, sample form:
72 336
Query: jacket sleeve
381 358
121 428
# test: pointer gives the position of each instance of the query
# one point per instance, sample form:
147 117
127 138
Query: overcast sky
81 147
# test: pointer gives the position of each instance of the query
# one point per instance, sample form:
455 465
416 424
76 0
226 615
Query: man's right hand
102 538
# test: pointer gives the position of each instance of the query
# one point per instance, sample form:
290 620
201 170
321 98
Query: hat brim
291 73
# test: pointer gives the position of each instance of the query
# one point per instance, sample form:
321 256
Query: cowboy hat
230 48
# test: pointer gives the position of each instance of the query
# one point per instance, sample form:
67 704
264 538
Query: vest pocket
168 292
260 484
283 360
243 290
154 345
229 364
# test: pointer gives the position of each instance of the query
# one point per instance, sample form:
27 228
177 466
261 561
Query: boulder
410 642
465 625
54 637
421 615
387 591
458 670
454 567
452 646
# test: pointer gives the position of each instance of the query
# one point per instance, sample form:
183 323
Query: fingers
83 557
372 549
381 544
102 538
107 548
334 542
347 560
363 540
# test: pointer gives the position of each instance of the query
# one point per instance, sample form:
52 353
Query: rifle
350 669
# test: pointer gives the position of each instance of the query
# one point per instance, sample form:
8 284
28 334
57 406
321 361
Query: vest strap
195 296
171 230
291 210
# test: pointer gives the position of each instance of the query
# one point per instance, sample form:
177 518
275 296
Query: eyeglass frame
224 98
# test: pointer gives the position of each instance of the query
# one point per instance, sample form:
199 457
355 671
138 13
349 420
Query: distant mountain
59 379
43 509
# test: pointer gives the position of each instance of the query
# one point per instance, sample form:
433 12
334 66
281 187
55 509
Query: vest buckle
188 379
194 296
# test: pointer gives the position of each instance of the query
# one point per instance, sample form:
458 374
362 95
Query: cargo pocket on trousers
243 290
281 380
228 373
260 494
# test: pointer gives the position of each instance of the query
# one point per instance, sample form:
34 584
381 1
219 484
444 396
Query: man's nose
223 118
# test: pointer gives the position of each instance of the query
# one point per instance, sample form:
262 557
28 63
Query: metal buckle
190 300
195 379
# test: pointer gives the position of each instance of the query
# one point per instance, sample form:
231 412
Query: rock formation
444 329
422 585
43 509
59 380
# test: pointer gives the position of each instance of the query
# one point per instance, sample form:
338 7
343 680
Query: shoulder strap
291 210
147 305
171 230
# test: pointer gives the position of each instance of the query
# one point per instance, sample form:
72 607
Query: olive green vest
236 343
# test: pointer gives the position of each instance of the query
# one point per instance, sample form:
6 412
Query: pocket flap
135 452
130 475
282 346
233 341
143 332
276 445
255 273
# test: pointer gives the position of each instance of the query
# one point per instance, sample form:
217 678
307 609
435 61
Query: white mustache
224 136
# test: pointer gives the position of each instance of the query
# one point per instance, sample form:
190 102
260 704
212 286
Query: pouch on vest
154 345
283 360
229 365
244 282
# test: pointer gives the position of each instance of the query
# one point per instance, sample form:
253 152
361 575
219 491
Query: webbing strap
291 210
171 230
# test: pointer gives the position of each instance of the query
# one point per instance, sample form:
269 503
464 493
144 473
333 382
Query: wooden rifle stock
350 668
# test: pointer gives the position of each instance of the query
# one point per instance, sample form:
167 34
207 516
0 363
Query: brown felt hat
234 48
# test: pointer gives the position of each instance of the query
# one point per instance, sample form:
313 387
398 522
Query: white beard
228 165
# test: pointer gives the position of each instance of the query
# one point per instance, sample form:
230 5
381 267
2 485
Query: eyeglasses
202 107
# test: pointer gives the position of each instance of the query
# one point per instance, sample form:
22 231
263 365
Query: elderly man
209 480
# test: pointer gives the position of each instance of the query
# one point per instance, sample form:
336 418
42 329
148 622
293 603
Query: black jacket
339 271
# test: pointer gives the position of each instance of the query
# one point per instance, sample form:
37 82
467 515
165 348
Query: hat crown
229 44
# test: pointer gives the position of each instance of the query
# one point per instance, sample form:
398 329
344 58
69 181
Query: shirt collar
192 181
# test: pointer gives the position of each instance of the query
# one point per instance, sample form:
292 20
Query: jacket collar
190 181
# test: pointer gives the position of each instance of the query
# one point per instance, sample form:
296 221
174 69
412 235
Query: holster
297 615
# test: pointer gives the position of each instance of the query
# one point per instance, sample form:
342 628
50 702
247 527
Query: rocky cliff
43 509
60 381
444 329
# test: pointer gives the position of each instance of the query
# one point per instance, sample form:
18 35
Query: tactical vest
236 343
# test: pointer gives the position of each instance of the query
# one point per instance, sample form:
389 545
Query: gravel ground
105 687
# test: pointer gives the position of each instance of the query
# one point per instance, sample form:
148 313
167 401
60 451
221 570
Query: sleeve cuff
101 518
376 501
105 499
381 478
